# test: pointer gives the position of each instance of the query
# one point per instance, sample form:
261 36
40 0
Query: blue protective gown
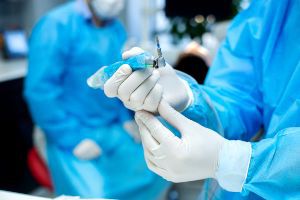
254 83
65 49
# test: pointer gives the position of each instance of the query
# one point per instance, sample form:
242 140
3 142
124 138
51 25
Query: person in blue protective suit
89 152
252 84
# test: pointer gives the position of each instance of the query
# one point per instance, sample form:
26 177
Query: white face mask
107 9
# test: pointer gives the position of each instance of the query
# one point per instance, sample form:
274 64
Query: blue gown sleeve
230 100
43 84
274 166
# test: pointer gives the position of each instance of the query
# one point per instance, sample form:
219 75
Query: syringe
140 61
137 62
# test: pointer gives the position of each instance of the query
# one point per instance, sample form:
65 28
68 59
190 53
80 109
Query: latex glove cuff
233 165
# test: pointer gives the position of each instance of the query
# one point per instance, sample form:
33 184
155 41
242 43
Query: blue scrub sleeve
231 95
225 104
43 85
274 166
230 100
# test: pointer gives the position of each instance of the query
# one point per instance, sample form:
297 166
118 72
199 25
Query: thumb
132 52
173 117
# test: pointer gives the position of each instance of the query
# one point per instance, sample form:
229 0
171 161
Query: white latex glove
87 149
133 130
144 89
195 155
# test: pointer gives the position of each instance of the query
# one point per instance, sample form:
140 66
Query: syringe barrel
98 79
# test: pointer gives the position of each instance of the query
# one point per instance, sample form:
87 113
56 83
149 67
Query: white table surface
12 69
5 195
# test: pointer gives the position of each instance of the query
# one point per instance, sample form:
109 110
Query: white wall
24 13
34 9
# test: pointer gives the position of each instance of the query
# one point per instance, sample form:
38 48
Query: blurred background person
195 61
89 153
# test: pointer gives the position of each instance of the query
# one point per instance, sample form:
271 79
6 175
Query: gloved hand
200 153
87 149
144 89
193 157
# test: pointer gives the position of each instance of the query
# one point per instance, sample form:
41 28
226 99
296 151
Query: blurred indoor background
178 23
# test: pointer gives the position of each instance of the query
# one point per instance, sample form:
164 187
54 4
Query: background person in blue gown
89 152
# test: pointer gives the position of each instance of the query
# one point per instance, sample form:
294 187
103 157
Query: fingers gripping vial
141 61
